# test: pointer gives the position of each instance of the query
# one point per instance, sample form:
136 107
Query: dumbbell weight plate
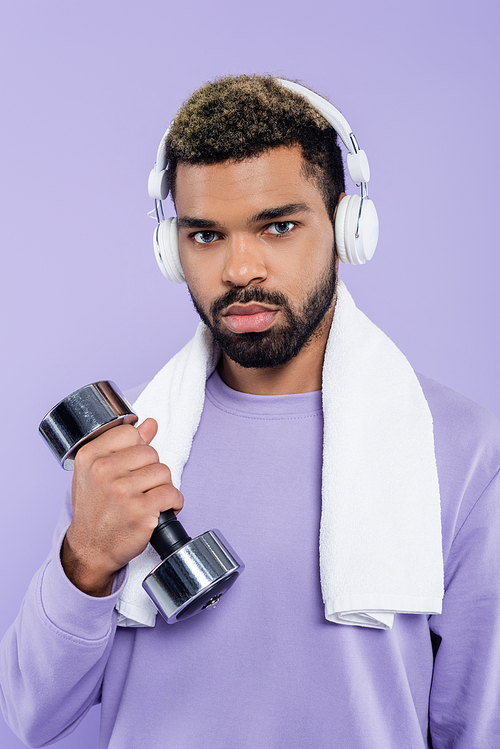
83 415
194 577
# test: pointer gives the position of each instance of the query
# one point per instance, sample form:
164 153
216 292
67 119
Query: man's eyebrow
268 214
271 214
189 222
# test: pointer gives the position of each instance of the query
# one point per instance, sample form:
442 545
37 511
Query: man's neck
302 374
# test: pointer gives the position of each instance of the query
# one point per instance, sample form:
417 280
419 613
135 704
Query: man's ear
342 195
337 258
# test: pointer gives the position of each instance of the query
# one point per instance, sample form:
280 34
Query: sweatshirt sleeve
465 693
53 657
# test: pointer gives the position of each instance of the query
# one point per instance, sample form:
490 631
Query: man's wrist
85 577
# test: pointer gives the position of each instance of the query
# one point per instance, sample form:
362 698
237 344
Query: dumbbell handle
169 535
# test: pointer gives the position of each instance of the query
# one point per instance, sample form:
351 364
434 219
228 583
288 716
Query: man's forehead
275 178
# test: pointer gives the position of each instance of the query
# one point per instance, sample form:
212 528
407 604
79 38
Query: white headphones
356 222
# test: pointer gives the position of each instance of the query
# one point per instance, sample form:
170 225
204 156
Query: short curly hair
238 117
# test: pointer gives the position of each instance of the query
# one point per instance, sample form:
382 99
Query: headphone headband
357 160
329 112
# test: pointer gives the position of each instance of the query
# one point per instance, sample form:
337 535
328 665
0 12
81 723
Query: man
311 424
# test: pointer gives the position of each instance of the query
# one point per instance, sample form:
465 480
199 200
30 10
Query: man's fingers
115 440
162 499
125 461
143 479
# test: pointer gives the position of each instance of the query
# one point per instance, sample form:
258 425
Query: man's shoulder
467 435
467 447
452 410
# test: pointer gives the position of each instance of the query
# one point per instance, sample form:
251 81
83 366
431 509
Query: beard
280 343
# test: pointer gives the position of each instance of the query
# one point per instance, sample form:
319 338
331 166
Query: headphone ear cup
166 247
366 243
352 249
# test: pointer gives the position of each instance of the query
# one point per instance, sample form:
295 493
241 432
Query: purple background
87 91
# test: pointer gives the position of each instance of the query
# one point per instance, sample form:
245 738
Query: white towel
380 537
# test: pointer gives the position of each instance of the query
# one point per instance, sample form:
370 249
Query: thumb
147 430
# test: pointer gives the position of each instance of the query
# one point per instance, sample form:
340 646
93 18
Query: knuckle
84 455
165 473
121 489
129 432
150 453
141 456
158 473
176 499
99 469
165 498
180 501
147 476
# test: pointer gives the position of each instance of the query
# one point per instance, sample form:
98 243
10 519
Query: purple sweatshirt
265 670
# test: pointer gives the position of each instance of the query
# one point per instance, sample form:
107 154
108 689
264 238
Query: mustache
246 294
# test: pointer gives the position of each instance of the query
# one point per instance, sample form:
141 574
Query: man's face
256 247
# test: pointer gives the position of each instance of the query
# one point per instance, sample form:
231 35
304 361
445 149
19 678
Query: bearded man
362 498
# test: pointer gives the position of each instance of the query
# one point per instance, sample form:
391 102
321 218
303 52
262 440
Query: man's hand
119 489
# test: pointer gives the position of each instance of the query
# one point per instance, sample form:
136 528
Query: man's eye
280 227
205 237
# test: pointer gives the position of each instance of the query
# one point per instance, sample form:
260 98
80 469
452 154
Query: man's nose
244 262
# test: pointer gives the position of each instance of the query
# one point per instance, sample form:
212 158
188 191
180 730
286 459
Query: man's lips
249 318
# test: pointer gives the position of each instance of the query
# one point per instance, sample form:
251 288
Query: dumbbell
193 572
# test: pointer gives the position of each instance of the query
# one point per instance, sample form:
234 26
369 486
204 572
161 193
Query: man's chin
258 350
